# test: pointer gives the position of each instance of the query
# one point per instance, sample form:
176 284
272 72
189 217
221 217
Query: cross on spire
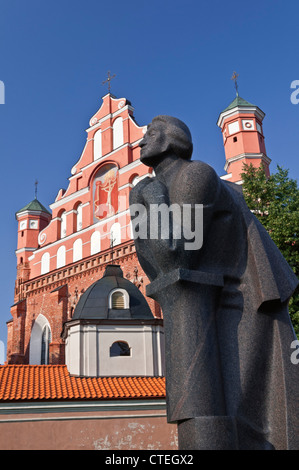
109 78
235 78
36 184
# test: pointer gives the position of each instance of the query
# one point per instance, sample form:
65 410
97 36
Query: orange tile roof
53 382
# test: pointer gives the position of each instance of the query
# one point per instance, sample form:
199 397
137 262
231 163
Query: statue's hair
180 141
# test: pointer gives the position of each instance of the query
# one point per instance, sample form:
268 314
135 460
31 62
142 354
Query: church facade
60 254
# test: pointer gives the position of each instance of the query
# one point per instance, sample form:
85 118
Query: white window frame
63 225
79 222
35 345
60 257
118 133
97 145
115 231
125 294
45 263
77 250
95 242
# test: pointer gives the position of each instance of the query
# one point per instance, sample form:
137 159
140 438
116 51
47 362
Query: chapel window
118 300
95 243
120 348
46 340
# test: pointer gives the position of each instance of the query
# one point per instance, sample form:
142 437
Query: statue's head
165 135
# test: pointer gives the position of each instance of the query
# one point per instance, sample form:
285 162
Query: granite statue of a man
230 381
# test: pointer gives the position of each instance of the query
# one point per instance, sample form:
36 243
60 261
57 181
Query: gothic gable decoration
105 192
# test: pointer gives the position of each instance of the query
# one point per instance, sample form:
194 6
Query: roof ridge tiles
53 382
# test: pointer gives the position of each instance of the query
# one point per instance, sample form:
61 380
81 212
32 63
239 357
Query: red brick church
80 311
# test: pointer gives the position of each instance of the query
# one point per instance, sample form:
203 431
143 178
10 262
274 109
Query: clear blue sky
170 57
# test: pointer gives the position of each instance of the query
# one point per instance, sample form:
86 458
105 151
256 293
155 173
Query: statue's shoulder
136 191
203 180
202 170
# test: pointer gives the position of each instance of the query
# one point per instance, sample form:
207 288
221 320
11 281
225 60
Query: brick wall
56 294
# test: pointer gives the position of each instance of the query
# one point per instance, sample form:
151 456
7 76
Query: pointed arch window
46 340
40 340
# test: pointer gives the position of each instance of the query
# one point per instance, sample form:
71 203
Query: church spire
243 137
235 78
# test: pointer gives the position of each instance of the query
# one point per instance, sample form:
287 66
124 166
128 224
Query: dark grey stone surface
230 382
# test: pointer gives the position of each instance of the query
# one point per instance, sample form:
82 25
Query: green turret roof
34 206
238 101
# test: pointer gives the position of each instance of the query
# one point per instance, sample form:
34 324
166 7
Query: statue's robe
228 334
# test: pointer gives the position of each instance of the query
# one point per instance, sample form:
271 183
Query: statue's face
152 144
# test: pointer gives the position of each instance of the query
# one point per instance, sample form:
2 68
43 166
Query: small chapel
85 344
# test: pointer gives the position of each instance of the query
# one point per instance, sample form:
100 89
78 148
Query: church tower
32 218
243 137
